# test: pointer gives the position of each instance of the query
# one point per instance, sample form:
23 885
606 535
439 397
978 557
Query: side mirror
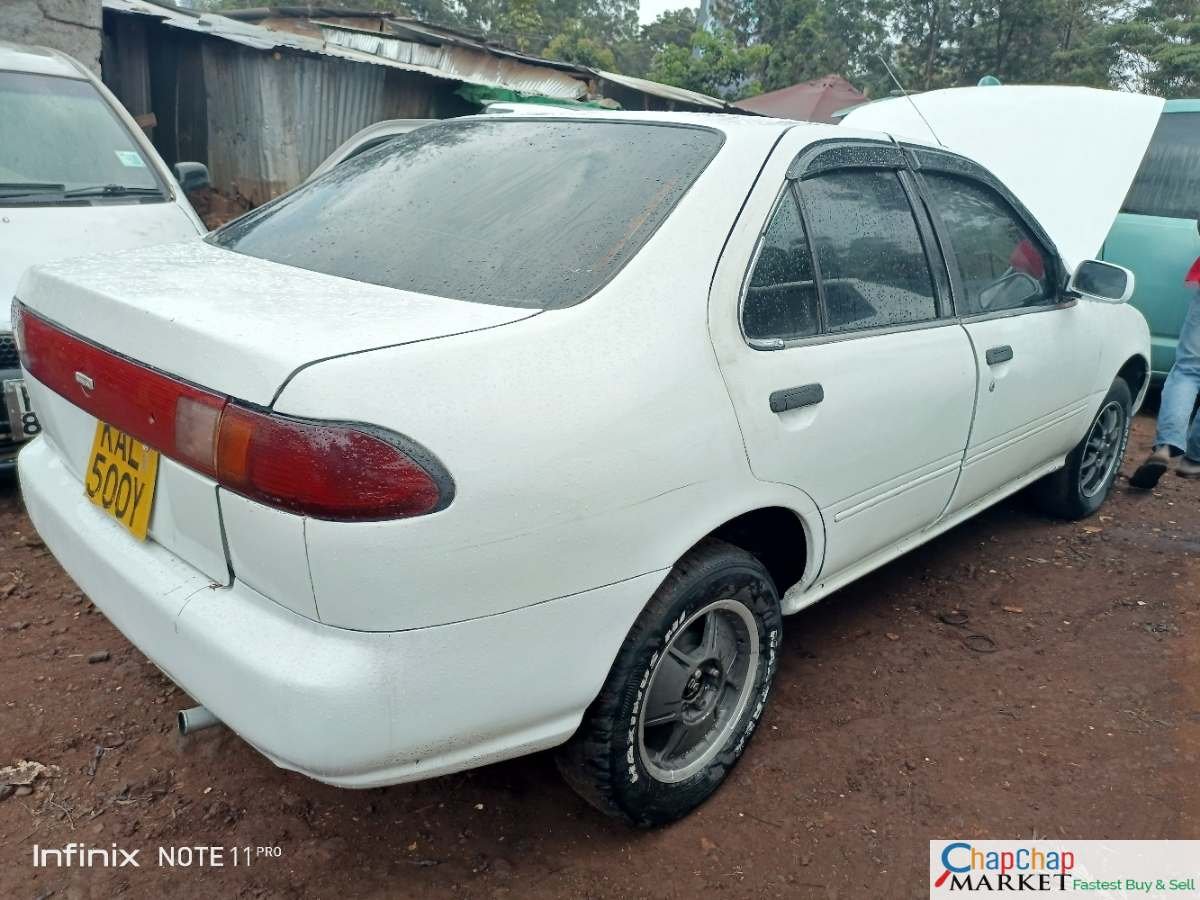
1102 281
192 176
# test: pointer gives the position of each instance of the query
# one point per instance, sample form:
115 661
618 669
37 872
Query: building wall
261 120
274 117
72 26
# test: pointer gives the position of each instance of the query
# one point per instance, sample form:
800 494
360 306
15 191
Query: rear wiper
27 188
112 190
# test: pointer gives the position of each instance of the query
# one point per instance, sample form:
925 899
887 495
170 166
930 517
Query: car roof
38 60
729 123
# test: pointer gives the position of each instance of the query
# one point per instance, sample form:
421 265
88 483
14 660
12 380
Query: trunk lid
1069 153
227 322
234 323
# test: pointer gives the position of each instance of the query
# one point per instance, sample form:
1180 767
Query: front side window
535 214
874 272
60 140
781 300
1002 264
1168 182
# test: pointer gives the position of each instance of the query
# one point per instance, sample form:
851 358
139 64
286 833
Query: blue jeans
1181 389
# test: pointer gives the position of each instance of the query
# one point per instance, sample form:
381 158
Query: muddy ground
885 730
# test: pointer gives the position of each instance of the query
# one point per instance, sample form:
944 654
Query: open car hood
1069 153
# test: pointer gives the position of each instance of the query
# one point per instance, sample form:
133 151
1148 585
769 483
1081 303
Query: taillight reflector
328 470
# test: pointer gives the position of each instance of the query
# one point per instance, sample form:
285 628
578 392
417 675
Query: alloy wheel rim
698 689
1102 450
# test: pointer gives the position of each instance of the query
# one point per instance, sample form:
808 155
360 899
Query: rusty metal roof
665 91
463 61
416 46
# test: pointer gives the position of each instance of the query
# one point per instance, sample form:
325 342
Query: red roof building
812 101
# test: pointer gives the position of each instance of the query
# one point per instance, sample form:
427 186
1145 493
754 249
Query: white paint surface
1068 153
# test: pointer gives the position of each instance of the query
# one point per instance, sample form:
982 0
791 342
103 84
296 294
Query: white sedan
523 432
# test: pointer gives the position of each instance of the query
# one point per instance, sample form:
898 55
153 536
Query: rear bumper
352 708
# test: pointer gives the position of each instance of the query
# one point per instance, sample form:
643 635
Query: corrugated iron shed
473 65
261 108
264 107
676 95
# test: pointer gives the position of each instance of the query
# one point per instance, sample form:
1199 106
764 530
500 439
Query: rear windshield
59 134
536 214
1168 183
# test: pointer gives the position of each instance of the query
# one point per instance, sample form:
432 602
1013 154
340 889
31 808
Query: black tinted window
781 300
533 214
1002 265
1168 182
872 263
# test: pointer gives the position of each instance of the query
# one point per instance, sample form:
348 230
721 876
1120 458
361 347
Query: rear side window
1168 182
534 214
1002 264
781 300
872 263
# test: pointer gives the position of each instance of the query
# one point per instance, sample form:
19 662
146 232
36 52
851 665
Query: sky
651 8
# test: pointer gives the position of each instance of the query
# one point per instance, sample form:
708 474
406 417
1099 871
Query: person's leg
1175 408
1189 466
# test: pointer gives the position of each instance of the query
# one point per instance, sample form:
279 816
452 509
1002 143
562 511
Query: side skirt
797 598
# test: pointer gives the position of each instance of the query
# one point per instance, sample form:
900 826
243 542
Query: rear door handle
796 397
998 355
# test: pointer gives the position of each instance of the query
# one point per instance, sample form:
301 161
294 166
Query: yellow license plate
120 478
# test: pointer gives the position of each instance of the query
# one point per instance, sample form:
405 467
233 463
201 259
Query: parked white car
522 432
366 139
77 176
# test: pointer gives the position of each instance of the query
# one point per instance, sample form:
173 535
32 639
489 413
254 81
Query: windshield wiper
27 188
113 190
54 192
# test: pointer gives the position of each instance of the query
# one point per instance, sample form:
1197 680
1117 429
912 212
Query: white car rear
520 431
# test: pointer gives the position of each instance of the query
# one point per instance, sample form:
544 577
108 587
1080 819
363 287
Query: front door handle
998 355
796 397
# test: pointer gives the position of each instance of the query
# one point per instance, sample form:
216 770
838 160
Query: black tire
1070 493
610 761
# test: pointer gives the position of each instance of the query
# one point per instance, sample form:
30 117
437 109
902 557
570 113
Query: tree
573 44
520 25
1160 44
672 28
712 64
811 38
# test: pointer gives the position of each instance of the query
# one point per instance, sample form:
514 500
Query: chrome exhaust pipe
195 719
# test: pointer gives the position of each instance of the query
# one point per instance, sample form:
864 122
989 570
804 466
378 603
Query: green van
1156 233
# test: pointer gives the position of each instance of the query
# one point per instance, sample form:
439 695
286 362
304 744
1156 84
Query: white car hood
35 234
1069 153
234 323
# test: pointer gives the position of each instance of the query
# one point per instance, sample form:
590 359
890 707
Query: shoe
1188 468
1149 472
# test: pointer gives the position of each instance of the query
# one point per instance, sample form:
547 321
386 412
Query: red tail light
341 471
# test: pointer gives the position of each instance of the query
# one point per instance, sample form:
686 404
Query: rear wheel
685 692
1080 488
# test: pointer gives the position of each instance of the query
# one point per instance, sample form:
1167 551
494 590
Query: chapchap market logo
966 867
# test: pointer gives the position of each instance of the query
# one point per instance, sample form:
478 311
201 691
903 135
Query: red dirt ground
885 730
